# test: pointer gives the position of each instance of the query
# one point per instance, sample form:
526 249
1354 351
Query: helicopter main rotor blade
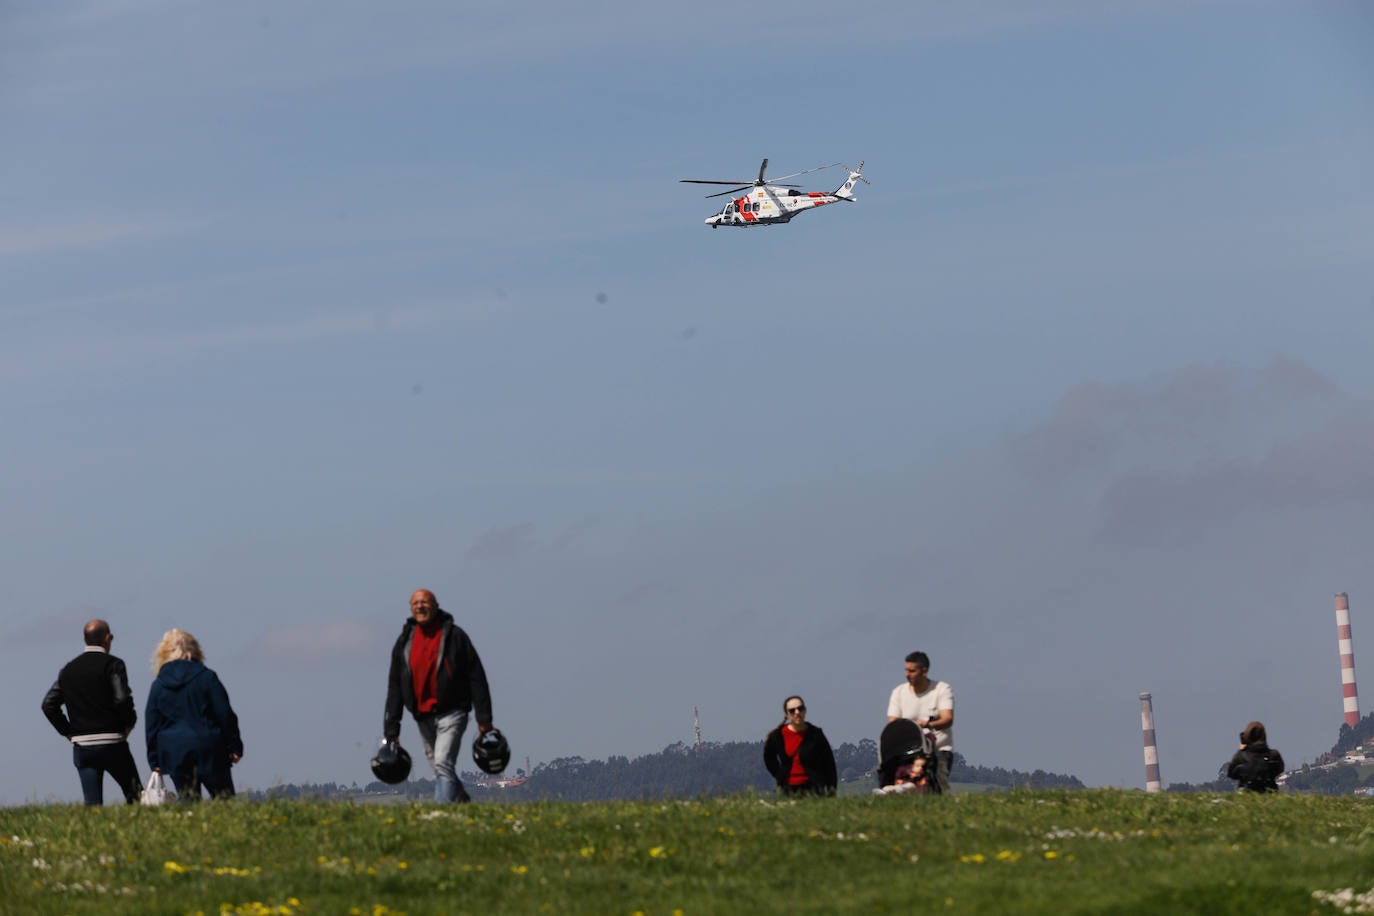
743 187
761 169
803 172
748 182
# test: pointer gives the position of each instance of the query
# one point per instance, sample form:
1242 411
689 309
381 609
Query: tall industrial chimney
1147 728
1350 697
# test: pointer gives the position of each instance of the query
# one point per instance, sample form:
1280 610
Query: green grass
1100 851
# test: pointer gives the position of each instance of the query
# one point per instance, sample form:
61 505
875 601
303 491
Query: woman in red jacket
798 754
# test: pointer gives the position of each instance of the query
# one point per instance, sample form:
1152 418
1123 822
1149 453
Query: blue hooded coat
189 725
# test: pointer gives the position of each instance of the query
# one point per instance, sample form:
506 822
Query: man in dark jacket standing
437 675
94 687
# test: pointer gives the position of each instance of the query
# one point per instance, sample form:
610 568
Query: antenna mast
696 727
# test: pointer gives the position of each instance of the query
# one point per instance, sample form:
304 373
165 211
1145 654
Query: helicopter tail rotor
846 190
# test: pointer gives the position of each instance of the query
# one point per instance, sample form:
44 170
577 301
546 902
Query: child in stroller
906 760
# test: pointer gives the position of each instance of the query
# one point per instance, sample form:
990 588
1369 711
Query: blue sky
304 307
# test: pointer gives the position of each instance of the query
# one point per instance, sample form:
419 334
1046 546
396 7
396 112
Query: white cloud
105 352
315 643
84 232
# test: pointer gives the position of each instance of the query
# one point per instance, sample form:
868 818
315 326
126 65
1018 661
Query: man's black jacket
94 687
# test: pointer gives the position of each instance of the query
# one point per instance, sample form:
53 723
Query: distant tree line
965 772
677 771
325 790
1337 780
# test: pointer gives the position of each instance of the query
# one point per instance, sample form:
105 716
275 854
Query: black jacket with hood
461 681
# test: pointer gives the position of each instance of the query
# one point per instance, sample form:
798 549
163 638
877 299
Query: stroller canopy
902 741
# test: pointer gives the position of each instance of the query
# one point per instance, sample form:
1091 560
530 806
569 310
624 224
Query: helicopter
769 203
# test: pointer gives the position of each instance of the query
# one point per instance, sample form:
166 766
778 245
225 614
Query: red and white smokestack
1350 697
1147 728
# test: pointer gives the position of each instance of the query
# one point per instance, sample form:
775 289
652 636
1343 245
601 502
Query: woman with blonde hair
191 730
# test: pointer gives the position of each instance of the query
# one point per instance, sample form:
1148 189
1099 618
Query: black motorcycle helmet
491 752
391 763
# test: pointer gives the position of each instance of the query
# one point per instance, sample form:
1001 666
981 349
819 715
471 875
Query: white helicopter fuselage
762 206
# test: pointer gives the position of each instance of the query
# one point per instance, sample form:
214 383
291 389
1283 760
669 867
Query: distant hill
678 771
1351 738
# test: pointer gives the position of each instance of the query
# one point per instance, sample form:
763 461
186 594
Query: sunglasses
796 709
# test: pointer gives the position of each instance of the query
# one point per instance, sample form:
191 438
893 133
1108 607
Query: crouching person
1256 766
191 731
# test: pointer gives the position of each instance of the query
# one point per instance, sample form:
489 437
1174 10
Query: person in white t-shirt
930 704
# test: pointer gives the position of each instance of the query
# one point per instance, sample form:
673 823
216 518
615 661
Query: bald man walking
94 688
437 675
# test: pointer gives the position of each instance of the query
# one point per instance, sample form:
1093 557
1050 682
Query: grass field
1099 851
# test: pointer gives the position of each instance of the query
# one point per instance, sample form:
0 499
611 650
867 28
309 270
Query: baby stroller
906 755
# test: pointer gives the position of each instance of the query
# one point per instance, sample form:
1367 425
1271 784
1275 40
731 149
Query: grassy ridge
1099 851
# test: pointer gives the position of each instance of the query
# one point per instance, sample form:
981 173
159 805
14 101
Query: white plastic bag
156 791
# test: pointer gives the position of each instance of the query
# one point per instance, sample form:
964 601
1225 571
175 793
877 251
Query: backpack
1254 769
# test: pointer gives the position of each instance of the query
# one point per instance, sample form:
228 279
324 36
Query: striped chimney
1350 697
1147 728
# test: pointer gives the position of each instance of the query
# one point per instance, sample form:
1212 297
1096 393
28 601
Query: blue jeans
442 734
92 763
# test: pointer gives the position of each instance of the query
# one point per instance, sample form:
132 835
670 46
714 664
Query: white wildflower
1346 900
